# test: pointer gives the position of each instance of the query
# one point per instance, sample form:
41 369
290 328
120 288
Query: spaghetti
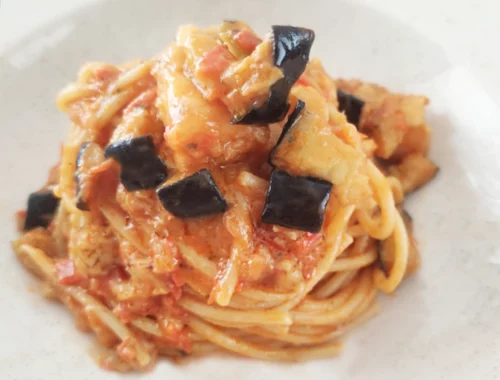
227 195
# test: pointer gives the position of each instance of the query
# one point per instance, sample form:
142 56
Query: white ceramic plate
442 323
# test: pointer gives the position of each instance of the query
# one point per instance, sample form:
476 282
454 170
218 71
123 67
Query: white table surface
467 30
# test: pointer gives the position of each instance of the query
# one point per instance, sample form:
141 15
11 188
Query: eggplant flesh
273 110
89 156
141 167
351 105
292 120
41 208
194 196
310 148
296 202
291 49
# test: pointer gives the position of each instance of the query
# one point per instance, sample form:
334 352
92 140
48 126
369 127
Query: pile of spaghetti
227 195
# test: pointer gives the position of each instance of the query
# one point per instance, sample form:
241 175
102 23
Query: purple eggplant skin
192 197
292 120
130 150
141 167
272 111
351 105
291 49
42 206
296 202
292 46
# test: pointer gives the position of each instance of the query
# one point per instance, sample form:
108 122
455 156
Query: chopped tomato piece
106 73
21 214
101 285
66 272
145 99
270 240
142 307
169 302
303 81
117 273
177 279
215 62
308 241
247 40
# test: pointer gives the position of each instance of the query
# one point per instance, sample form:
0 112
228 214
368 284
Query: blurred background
467 30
